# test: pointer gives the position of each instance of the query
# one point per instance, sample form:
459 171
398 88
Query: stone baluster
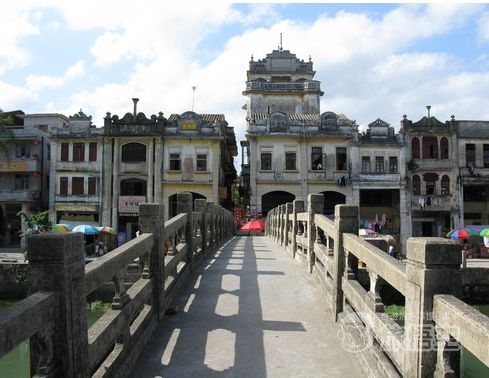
314 206
373 293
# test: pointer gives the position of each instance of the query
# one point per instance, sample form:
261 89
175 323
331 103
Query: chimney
135 100
428 107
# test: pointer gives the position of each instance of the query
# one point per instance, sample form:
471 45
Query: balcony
367 178
282 86
195 176
20 165
431 202
16 195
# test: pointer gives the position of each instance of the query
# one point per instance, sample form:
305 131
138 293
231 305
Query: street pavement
251 311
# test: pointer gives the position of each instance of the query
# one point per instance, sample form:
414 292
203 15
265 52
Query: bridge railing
352 272
53 316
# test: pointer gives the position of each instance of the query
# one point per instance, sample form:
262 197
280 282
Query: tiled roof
210 118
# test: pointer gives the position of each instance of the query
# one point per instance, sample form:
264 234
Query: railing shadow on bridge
221 303
53 315
351 271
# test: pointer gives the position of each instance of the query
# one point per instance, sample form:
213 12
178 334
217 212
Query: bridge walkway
251 311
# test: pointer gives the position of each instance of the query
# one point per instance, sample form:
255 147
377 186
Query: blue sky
373 60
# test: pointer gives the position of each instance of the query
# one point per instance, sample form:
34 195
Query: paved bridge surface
251 311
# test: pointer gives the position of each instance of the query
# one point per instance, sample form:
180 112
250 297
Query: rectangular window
365 164
92 152
77 186
470 153
341 159
92 185
485 153
201 162
78 151
392 164
290 161
379 164
65 147
63 186
22 150
21 181
175 162
317 158
266 161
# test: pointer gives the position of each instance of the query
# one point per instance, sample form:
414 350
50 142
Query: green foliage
34 223
396 312
98 306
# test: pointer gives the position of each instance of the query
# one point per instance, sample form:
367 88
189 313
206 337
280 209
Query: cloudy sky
373 60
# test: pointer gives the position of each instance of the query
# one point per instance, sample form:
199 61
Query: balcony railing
195 176
432 202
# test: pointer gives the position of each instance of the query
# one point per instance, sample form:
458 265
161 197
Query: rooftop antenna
280 47
193 96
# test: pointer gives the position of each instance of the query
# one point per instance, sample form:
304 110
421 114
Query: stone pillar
151 220
314 206
57 264
298 207
201 208
115 184
150 167
287 226
346 220
433 267
158 198
184 205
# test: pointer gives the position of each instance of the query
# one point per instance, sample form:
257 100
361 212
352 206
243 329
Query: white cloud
16 25
39 82
368 66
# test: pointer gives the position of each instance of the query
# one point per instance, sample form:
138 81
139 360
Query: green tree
34 223
6 133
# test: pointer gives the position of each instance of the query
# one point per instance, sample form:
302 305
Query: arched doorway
274 199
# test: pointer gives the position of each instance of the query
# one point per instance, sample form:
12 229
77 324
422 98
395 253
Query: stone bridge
304 300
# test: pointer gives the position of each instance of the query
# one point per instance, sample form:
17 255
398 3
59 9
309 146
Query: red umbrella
253 225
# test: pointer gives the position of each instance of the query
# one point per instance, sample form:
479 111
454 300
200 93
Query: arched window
430 180
430 147
132 152
416 185
415 148
445 185
443 148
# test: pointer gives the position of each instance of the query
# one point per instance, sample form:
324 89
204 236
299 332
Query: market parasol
106 230
366 232
460 233
59 229
253 225
86 229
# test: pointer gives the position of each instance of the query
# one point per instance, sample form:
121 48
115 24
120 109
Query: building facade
101 175
24 170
